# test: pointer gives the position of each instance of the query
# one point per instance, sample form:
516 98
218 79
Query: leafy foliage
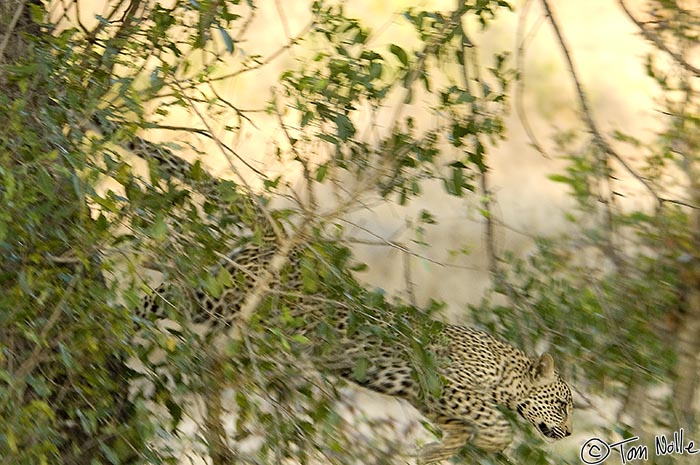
86 379
617 296
82 373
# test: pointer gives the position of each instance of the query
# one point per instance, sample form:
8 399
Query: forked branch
598 137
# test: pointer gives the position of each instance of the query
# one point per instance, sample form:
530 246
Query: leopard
479 377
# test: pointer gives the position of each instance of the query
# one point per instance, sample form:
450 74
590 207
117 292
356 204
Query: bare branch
219 451
278 233
600 141
37 354
10 29
246 24
304 163
283 19
680 203
658 42
394 244
270 58
207 133
496 273
409 281
520 84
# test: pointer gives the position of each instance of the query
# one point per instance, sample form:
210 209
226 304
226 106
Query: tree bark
688 345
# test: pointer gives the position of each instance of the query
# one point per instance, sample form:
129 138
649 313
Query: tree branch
10 30
500 281
658 43
520 84
598 138
207 133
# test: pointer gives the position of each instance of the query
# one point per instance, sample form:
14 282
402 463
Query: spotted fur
479 374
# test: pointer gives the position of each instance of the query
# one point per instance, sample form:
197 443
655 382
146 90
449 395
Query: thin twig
493 260
404 249
680 203
520 84
653 37
10 29
394 244
35 357
270 58
415 72
78 20
304 163
277 262
409 282
283 19
206 133
263 386
247 23
278 233
106 21
219 451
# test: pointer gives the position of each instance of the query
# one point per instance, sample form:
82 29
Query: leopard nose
568 427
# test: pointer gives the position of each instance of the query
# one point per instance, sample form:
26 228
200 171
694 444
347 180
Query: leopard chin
554 432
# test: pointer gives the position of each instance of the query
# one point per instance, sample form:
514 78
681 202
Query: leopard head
548 405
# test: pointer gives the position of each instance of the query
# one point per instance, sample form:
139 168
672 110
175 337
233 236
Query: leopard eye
563 405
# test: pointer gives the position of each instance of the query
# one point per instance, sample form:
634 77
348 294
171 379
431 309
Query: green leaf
11 440
43 407
66 356
321 172
309 278
175 410
308 116
427 217
328 138
39 385
457 181
159 229
212 286
560 178
400 54
224 278
301 339
111 455
359 373
375 70
345 127
358 267
156 80
5 376
228 41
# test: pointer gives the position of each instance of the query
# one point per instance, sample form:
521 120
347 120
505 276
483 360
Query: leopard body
479 375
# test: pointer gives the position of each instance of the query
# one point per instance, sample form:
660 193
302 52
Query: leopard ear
543 370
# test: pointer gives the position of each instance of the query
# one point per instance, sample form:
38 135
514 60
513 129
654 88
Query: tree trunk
688 345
